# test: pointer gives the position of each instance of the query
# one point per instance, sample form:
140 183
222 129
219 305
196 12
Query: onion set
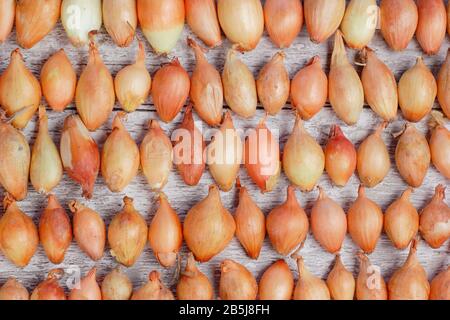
201 16
309 89
120 18
236 282
49 289
208 227
87 288
250 223
435 220
287 225
170 90
440 144
365 222
79 154
370 284
127 234
154 289
341 282
345 89
79 18
132 84
328 222
401 221
412 156
277 282
443 82
242 21
417 90
273 84
262 157
359 23
398 22
323 17
309 287
303 158
432 25
20 91
116 286
165 234
13 290
8 12
340 157
58 80
162 22
193 284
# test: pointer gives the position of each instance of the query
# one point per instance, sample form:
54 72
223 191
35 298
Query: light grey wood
183 198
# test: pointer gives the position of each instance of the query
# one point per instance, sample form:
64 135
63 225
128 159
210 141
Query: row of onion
209 227
95 91
409 282
242 21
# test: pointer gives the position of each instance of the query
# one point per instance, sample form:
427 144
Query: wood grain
183 198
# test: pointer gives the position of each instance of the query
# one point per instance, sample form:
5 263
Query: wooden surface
183 198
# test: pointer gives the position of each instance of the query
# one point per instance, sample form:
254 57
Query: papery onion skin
398 20
156 156
303 158
277 282
401 221
273 84
206 88
7 12
116 286
120 18
443 81
359 23
87 288
79 18
132 84
341 282
309 89
201 16
239 86
59 81
170 90
154 289
287 225
55 231
236 282
89 230
262 157
323 17
345 89
412 156
309 287
250 223
165 234
440 144
373 159
189 149
380 86
224 154
431 28
417 90
95 95
440 286
283 20
35 19
370 284
208 227
340 157
193 284
435 220
162 22
328 223
365 222
20 91
79 154
13 290
410 282
242 21
46 168
127 234
19 237
50 289
120 157
14 161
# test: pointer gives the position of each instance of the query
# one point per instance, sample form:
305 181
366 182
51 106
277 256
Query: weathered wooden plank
182 197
